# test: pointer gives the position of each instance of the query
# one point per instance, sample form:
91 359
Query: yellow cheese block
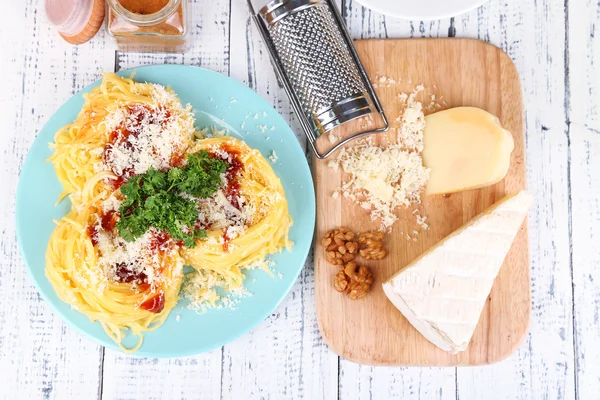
465 148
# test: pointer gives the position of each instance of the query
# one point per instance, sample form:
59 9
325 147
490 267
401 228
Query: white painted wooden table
556 47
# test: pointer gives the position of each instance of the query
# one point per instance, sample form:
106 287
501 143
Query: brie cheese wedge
442 293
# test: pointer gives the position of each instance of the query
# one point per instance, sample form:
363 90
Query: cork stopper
77 21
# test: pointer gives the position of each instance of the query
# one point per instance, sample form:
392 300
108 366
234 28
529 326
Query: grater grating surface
316 58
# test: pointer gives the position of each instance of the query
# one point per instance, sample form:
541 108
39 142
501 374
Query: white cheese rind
442 293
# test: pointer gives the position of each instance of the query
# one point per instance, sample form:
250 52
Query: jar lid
77 21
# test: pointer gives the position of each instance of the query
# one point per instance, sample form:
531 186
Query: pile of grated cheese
218 213
382 179
157 134
135 257
411 121
201 289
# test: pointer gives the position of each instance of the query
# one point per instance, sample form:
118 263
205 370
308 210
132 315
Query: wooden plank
284 357
133 378
533 35
358 382
363 23
584 63
42 357
196 377
584 134
585 184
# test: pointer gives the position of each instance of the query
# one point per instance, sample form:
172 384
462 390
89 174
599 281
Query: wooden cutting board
459 72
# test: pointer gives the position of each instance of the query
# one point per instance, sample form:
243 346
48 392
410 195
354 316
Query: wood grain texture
585 187
371 331
40 356
362 382
584 135
557 56
127 377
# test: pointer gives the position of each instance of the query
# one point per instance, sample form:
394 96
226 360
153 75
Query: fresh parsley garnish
154 199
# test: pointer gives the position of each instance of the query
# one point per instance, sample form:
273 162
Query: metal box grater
316 61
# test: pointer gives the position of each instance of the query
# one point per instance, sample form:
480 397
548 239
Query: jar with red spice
153 26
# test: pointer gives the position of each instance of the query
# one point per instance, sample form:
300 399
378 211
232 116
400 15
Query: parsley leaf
201 177
154 199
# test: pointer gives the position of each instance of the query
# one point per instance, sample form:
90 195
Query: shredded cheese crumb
384 81
273 157
211 132
421 221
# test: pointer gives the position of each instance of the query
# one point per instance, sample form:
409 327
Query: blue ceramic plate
217 100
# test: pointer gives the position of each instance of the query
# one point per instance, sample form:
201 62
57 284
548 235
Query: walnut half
354 280
340 246
340 281
360 280
371 246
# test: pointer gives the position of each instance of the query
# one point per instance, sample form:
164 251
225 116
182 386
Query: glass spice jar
77 21
152 26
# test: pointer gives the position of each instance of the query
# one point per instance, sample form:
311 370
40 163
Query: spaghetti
125 127
246 220
117 296
125 133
